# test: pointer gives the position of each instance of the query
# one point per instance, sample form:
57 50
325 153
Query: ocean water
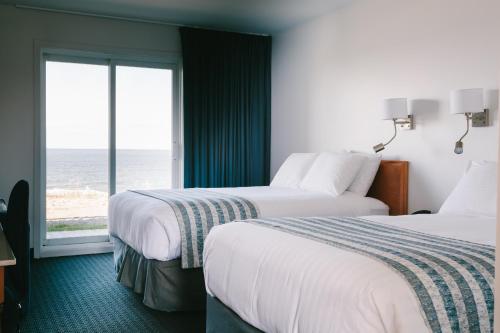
87 169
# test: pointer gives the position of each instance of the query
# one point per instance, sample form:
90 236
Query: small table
7 258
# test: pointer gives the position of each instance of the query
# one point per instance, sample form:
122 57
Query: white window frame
111 57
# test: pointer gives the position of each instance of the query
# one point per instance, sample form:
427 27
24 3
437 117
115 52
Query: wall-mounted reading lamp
395 109
470 103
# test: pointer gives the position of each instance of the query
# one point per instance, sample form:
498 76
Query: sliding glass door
109 127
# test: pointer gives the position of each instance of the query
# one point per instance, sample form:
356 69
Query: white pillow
366 174
332 173
475 193
293 170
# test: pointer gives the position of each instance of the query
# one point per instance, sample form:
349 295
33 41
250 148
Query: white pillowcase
366 174
332 173
293 170
475 193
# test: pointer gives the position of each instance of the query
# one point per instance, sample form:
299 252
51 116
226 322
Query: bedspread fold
197 211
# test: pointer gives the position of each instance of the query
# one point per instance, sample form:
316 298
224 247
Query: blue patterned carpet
80 294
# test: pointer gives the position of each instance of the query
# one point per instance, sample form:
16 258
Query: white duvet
150 227
279 282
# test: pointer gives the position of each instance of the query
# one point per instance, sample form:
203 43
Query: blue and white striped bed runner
452 279
197 211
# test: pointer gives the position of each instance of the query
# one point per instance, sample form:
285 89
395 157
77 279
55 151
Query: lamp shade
395 108
466 101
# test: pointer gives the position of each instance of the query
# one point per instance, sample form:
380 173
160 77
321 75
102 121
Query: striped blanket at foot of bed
197 211
452 279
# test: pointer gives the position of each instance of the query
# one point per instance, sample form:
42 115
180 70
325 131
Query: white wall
331 74
19 29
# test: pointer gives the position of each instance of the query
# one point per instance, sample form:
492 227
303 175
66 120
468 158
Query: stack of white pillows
334 173
331 173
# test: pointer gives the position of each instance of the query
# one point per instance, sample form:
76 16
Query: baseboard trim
75 249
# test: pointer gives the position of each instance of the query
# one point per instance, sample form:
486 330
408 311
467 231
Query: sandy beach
86 208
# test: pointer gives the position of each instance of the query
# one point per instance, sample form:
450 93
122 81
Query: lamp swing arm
381 146
394 135
468 117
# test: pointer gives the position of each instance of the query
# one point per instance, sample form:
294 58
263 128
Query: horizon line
107 148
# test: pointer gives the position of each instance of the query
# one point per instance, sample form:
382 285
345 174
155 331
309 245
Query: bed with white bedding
158 234
284 277
280 282
150 226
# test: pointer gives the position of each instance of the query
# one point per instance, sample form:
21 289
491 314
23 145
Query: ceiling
256 16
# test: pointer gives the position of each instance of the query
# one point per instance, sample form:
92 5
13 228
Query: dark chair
17 278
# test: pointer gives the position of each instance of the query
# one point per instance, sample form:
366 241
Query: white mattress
279 282
150 227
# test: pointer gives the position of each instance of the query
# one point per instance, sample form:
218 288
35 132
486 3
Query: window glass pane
143 128
76 149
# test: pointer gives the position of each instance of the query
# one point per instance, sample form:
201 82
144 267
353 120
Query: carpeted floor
80 294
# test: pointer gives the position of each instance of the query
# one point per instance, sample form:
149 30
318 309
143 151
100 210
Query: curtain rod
130 19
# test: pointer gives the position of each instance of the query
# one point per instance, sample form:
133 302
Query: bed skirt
221 319
165 286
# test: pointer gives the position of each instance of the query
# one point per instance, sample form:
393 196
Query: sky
77 106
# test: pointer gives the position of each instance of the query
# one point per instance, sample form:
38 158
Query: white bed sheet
279 282
150 227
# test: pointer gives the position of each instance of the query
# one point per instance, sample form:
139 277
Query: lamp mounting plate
405 123
481 119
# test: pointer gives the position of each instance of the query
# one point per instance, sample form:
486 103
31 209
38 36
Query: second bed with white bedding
150 225
279 282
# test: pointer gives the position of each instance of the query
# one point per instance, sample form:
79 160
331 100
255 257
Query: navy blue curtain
227 108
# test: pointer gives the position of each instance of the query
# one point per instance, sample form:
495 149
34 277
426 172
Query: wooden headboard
391 186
